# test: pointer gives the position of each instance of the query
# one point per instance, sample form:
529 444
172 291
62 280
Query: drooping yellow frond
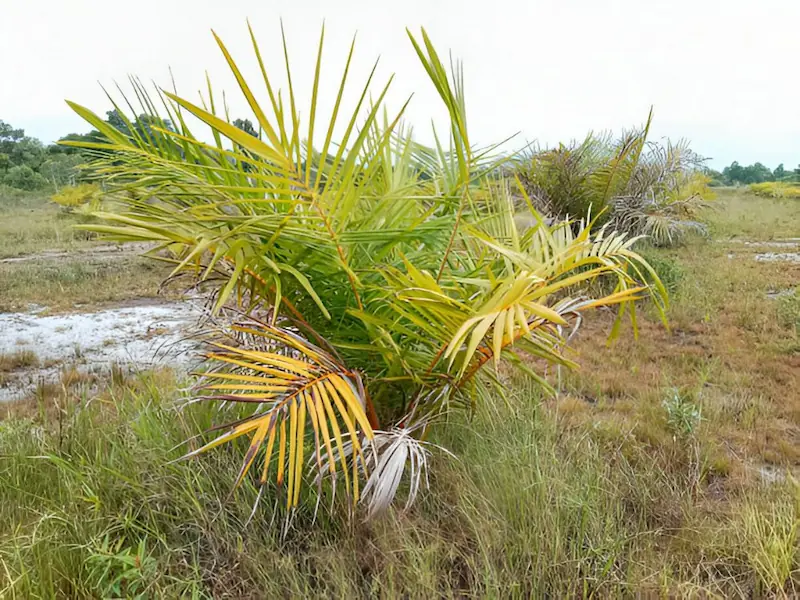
289 391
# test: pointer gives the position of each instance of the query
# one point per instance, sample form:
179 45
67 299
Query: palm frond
291 385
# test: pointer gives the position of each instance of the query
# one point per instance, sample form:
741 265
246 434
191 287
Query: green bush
23 177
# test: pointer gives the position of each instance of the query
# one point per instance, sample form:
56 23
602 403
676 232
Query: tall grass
532 508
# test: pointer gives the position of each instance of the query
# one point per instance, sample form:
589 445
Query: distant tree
737 174
60 170
9 136
24 177
115 119
779 172
246 126
93 136
716 177
733 173
142 125
27 151
19 149
758 173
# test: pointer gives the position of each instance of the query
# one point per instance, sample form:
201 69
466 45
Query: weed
788 310
768 536
19 359
118 570
683 415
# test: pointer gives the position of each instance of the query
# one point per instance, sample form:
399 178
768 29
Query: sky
722 74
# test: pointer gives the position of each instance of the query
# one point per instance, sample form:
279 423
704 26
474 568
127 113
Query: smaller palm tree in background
642 187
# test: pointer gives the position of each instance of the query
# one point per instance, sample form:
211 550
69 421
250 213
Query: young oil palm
642 187
368 283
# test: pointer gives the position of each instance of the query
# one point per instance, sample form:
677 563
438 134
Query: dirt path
103 252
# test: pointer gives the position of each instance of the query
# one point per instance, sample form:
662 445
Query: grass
32 224
666 467
67 282
89 507
17 360
740 214
60 270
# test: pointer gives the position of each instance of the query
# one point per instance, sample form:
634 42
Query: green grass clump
667 268
789 310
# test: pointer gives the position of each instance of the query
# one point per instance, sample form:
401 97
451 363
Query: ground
665 466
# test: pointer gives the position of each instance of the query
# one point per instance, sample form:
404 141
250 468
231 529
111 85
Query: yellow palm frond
290 390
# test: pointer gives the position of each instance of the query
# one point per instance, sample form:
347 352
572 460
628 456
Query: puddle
778 257
140 336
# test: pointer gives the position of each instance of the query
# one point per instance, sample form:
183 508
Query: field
667 466
44 260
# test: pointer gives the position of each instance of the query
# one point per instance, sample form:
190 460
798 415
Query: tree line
736 174
29 165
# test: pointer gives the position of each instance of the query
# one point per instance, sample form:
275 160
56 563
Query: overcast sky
722 73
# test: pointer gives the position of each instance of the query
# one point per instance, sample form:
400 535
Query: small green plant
120 571
683 415
789 310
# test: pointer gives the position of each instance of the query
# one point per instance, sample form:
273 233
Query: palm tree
365 284
642 187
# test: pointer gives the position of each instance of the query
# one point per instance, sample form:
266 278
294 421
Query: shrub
667 269
641 187
23 177
776 189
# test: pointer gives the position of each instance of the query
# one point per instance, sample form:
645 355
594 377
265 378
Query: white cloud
722 73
